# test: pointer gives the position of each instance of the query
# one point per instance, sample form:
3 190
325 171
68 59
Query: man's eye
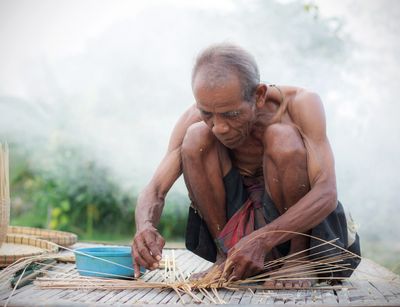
231 114
205 113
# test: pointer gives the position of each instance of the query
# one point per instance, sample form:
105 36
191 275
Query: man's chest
248 158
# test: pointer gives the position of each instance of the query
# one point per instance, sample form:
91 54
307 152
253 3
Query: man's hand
146 249
246 258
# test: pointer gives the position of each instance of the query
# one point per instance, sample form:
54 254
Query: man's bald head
220 62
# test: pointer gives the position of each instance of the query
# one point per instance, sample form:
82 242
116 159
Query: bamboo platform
370 285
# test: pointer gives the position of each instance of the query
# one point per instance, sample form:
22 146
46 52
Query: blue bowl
110 261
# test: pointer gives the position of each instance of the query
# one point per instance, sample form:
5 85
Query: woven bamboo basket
20 242
20 246
4 219
4 193
62 238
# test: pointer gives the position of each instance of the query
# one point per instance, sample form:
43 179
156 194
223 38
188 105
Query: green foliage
70 192
173 220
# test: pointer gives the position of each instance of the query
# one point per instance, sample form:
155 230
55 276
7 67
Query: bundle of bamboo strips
4 192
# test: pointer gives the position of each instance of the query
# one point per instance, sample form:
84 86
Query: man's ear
261 95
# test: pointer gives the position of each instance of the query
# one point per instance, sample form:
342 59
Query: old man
259 170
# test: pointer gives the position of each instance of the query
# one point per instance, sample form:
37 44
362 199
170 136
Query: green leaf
65 205
56 212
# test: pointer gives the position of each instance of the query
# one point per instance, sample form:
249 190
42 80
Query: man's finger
238 272
136 256
155 249
221 266
139 262
160 241
143 253
136 267
252 272
136 260
227 271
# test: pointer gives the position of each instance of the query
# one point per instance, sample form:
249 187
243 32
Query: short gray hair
224 58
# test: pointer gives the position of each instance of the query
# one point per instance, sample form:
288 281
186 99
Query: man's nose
219 127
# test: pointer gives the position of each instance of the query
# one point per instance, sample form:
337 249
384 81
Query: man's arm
308 115
148 243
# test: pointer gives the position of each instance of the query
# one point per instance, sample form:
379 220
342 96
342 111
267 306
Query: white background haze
112 77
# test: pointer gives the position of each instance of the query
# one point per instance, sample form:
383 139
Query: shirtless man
249 129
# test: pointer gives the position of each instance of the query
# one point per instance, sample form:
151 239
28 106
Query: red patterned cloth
247 219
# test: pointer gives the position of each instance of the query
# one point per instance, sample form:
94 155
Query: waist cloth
244 203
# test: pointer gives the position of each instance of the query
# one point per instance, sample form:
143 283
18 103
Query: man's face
223 109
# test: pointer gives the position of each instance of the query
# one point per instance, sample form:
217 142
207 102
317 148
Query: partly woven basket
4 193
19 246
20 242
4 219
62 238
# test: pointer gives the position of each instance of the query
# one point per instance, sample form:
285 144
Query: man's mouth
230 141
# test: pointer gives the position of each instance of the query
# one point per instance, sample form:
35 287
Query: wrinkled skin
246 258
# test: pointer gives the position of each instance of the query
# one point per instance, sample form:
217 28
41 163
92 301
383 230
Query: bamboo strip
15 287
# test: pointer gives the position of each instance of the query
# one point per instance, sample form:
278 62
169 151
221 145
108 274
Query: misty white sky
114 76
51 30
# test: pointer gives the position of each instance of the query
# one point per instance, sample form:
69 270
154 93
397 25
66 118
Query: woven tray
62 238
19 246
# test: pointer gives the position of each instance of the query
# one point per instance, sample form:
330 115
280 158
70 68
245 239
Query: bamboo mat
363 289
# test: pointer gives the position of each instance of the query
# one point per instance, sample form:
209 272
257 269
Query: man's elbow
330 200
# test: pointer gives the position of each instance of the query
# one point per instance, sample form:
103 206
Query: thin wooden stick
176 289
166 268
15 287
215 291
174 264
279 260
304 234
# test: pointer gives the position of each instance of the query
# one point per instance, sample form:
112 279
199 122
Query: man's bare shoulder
307 113
304 106
191 115
188 118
